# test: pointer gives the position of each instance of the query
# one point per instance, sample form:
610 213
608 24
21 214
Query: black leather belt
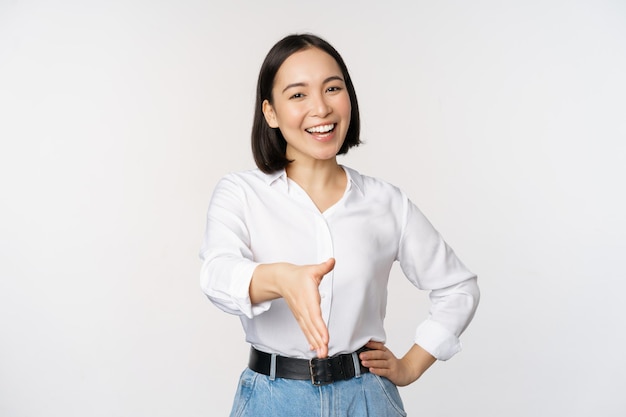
319 371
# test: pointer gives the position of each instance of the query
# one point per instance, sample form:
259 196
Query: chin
325 156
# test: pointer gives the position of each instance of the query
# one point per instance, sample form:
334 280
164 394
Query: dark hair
268 144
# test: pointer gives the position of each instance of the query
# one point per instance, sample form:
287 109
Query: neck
316 175
323 181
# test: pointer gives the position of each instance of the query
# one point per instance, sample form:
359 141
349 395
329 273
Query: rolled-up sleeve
430 264
227 262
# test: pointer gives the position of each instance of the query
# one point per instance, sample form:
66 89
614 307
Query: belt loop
273 367
357 364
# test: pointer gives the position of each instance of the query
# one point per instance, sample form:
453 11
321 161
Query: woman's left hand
381 361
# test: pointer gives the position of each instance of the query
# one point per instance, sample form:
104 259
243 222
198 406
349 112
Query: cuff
241 291
437 340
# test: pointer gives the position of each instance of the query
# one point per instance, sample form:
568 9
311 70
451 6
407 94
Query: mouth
321 130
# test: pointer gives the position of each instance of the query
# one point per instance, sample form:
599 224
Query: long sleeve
430 264
227 260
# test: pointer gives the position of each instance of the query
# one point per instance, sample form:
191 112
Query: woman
301 249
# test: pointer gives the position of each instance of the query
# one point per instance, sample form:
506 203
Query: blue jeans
366 395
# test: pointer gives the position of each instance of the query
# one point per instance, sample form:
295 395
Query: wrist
417 361
265 282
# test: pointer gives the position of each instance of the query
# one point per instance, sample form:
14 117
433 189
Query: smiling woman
268 143
301 249
310 106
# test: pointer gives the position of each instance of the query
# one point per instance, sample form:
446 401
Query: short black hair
268 144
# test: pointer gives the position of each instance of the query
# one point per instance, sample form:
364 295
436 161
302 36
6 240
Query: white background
505 121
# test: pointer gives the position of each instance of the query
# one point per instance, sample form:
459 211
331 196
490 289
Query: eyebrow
327 80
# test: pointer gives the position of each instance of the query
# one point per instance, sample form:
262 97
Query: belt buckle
314 369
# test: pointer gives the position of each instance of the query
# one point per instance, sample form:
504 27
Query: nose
320 107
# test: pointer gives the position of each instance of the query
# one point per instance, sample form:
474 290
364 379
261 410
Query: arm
453 308
227 261
430 264
237 284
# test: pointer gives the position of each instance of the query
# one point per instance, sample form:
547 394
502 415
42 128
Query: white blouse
256 218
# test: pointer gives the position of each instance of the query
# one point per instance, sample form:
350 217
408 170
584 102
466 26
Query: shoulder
250 178
234 189
373 186
245 176
253 183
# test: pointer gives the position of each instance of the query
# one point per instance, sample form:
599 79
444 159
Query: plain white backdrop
505 121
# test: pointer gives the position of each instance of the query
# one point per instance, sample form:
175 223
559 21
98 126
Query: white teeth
321 129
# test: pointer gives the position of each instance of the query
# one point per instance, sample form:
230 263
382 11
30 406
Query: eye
334 89
296 96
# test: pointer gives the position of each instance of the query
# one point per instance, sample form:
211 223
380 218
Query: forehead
307 66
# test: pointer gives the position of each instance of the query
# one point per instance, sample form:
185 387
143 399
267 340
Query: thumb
327 266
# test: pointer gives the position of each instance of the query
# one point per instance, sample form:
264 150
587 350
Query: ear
270 115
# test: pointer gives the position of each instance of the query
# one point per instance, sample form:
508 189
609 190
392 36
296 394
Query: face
311 106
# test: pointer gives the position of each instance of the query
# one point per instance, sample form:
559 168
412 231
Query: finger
377 364
377 350
326 267
319 338
381 372
316 344
370 357
322 352
323 337
375 345
315 329
320 348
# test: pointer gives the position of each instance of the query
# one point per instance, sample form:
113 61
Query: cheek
289 117
344 106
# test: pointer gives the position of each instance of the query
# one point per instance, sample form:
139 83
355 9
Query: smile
321 129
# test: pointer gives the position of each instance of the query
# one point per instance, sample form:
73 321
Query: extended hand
299 286
300 289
